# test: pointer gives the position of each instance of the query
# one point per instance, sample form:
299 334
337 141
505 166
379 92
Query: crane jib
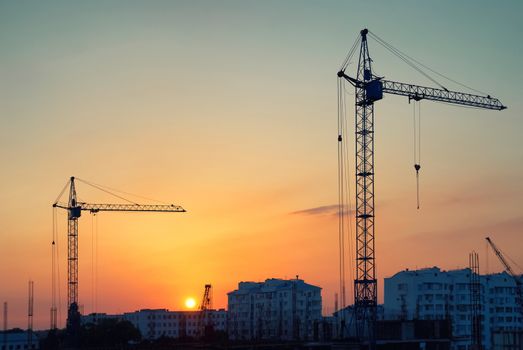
374 90
76 211
417 92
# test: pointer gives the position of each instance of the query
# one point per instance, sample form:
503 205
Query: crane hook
417 167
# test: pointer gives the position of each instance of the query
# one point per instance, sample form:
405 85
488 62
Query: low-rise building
276 309
156 323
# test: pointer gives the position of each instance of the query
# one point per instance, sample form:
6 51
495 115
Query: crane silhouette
370 88
74 211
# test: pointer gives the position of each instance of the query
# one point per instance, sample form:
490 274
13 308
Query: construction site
426 308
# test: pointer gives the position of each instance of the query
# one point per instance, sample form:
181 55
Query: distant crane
74 210
205 324
508 269
370 88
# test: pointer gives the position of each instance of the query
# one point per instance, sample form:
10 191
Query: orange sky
231 113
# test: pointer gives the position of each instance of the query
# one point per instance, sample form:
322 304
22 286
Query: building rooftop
270 285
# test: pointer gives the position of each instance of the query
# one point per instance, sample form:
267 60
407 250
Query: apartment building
276 309
432 294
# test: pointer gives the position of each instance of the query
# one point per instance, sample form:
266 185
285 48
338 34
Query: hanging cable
57 262
341 233
345 222
107 189
62 191
53 272
346 61
417 145
96 265
425 66
347 204
404 58
92 262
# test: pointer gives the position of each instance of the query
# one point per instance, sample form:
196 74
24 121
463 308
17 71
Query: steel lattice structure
365 285
417 92
95 208
73 317
369 89
204 317
74 211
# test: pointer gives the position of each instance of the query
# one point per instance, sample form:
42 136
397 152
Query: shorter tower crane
74 211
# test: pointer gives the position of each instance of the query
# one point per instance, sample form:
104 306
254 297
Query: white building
274 310
434 294
156 323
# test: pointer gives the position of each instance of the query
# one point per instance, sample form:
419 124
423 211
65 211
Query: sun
190 303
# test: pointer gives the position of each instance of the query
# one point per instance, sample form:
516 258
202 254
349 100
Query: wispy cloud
324 210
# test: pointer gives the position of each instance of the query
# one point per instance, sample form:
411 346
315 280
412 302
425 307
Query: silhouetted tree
53 340
109 332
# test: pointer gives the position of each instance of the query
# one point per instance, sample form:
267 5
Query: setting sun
190 303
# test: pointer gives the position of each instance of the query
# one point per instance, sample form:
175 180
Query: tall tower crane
369 89
74 211
510 271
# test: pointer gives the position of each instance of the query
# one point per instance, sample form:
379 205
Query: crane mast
365 284
204 316
370 88
74 212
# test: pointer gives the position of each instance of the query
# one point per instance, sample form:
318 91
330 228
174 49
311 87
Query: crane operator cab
75 211
374 90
